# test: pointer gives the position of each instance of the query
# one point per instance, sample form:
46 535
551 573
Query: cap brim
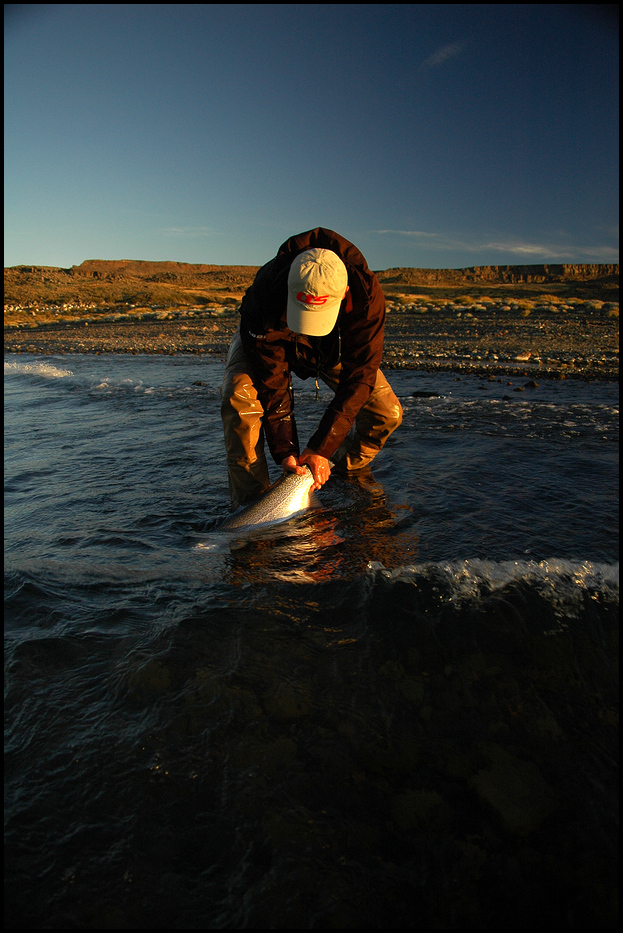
313 322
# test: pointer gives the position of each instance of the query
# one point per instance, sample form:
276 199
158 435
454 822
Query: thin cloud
412 233
442 55
544 252
429 240
548 252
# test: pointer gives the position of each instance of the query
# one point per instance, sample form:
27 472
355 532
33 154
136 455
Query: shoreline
546 346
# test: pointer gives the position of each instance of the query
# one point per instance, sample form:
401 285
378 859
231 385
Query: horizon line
486 265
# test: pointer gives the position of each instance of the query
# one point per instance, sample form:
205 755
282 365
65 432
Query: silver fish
289 496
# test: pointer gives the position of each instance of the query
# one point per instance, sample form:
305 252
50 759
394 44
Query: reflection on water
354 527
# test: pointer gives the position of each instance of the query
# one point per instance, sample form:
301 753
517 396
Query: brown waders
244 436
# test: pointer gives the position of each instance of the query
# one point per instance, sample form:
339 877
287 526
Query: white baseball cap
317 284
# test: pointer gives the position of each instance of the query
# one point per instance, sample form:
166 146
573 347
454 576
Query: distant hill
170 284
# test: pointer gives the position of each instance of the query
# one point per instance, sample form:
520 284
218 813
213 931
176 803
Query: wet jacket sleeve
271 375
362 350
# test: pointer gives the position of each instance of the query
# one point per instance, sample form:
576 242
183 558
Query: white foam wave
467 579
46 370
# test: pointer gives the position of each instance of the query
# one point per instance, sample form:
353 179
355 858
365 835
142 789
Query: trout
289 496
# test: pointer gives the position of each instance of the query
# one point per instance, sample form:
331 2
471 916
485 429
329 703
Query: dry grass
133 288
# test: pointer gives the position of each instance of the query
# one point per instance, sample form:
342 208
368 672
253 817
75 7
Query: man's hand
320 467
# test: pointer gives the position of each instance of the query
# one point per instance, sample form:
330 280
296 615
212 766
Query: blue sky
439 136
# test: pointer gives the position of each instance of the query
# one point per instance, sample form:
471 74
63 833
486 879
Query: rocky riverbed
495 340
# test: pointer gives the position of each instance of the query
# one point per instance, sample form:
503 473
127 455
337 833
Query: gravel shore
548 345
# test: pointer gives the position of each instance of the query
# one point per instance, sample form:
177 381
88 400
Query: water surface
398 710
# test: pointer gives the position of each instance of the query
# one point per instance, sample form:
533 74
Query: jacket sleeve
265 343
267 355
362 332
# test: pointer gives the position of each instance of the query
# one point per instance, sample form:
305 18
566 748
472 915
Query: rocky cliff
500 275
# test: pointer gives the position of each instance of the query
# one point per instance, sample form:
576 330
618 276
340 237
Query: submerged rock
515 790
415 808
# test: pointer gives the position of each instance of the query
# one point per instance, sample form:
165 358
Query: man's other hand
320 466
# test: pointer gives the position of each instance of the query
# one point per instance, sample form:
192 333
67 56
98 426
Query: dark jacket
275 352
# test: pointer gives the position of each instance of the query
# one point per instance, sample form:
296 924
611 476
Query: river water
399 710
